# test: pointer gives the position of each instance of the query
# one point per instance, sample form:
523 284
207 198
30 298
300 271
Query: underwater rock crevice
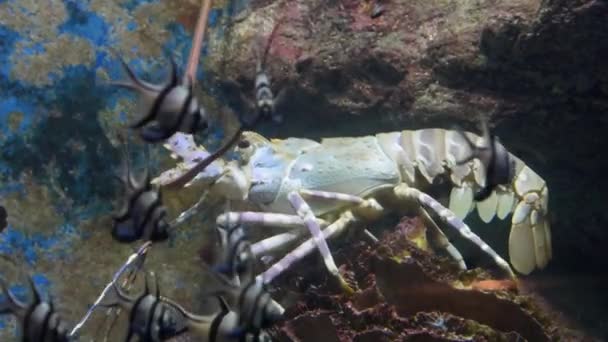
535 68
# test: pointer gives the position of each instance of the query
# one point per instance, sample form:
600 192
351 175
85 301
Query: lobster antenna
133 258
197 40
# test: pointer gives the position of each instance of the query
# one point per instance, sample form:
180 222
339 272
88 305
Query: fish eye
245 149
244 143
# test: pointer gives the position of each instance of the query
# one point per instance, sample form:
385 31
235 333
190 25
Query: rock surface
410 294
420 62
535 68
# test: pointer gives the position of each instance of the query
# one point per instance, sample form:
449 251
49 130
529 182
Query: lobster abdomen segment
432 152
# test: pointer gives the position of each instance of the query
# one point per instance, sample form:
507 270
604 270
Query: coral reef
408 293
59 123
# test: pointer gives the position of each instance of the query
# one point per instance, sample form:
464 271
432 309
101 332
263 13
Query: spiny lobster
338 182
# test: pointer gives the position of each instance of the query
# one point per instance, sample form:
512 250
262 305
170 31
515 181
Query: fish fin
37 297
174 79
154 134
223 304
135 83
123 84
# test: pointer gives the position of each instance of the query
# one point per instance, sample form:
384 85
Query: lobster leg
271 244
304 211
306 248
264 219
275 242
441 240
368 209
405 192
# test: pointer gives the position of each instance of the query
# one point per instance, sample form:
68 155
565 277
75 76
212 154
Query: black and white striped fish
143 214
257 310
222 326
215 327
263 95
39 320
167 109
236 260
498 163
150 318
265 100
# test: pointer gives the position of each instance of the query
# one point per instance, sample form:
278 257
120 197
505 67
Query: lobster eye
244 144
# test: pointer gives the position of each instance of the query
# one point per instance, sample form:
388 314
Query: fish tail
133 82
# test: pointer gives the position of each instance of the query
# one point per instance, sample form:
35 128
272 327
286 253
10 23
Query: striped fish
497 162
142 215
265 99
257 311
39 320
236 261
168 108
151 319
